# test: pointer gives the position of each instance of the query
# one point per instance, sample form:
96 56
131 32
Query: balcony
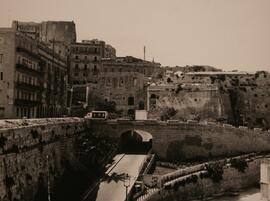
26 86
25 68
23 102
29 52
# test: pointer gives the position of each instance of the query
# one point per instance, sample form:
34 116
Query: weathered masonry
31 151
181 140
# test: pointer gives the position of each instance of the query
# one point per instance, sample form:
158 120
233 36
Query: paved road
113 189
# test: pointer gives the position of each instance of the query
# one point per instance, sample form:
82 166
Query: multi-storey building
58 35
85 60
120 80
33 82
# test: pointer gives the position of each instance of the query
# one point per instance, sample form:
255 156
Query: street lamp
127 184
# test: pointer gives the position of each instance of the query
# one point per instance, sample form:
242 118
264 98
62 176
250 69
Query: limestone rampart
190 140
31 151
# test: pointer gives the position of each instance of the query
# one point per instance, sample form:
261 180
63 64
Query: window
1 76
1 58
131 100
121 83
76 57
18 112
85 67
2 112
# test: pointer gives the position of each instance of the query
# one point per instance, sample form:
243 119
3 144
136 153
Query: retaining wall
31 151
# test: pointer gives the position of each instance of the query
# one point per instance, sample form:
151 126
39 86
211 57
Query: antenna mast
144 51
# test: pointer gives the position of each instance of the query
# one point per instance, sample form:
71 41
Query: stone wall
182 140
190 102
31 151
238 98
232 181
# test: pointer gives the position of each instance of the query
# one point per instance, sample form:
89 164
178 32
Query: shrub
9 182
167 112
178 89
215 172
2 141
239 164
34 134
194 178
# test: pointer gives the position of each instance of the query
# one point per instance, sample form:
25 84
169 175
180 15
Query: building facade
27 85
85 61
57 35
122 81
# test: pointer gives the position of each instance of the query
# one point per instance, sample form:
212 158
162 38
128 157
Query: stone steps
148 193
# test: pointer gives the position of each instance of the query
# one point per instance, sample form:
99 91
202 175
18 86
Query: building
119 80
85 61
110 52
58 35
33 77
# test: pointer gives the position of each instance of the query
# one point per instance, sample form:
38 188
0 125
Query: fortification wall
239 99
31 151
191 101
182 140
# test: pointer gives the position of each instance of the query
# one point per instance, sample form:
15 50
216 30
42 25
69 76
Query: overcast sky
228 34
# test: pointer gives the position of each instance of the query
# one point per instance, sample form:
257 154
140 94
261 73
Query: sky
227 34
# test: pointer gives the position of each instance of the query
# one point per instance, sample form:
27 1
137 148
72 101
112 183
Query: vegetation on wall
2 141
239 164
179 88
215 172
167 113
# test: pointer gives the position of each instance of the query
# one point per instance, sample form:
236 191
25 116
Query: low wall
31 151
233 180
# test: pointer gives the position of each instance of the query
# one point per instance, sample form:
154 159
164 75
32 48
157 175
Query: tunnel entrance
135 142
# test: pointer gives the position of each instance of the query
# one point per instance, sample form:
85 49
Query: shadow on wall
177 149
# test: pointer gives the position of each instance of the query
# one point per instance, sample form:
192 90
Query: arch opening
135 142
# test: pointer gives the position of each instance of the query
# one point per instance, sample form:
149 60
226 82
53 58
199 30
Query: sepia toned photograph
134 100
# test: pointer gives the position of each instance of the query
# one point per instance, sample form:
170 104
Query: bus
99 115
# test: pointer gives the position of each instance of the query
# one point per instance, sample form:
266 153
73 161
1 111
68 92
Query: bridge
185 140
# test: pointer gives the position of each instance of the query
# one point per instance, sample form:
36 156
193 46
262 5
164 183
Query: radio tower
144 50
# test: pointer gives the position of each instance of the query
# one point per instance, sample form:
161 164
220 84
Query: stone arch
135 141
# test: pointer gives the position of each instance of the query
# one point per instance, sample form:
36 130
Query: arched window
153 100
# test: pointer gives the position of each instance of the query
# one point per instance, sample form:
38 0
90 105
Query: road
112 189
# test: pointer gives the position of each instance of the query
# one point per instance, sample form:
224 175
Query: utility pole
48 171
127 184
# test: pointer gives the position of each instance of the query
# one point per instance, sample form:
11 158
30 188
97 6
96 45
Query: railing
29 52
24 102
26 68
27 86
